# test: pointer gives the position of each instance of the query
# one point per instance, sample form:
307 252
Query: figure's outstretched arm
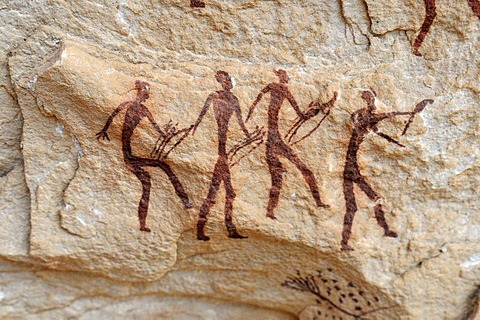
238 113
155 125
257 100
399 113
204 110
103 134
389 115
418 108
294 104
388 138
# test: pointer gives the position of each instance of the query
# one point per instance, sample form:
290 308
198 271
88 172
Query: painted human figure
430 14
136 111
225 104
197 4
365 120
276 147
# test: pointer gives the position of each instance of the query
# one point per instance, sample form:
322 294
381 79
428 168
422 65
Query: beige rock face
70 201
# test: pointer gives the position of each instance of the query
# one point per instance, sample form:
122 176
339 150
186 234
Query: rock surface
71 246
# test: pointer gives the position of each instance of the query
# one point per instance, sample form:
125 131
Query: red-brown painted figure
430 14
136 111
365 120
225 105
276 147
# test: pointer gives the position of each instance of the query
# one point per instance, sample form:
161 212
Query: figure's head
369 97
224 79
282 75
143 90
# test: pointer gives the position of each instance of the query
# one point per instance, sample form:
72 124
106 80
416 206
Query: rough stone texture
69 203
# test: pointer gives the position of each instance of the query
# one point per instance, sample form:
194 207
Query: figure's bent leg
229 197
365 187
380 216
430 14
307 175
350 213
379 213
145 179
179 190
276 171
207 204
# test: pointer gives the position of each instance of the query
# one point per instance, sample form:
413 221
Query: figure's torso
224 104
135 113
278 92
362 124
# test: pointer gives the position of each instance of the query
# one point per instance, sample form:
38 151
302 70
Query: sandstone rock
70 201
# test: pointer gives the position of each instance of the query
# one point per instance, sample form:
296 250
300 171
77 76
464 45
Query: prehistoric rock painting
365 120
336 298
276 147
197 4
136 111
430 14
225 105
